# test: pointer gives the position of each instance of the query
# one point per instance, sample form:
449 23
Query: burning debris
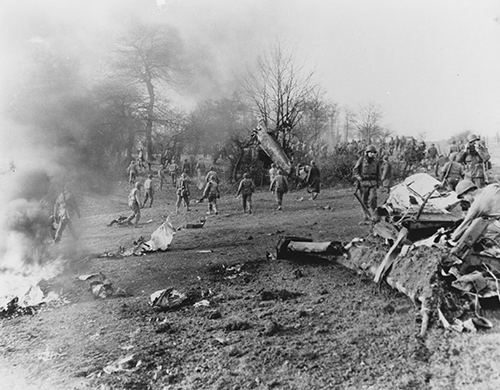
25 239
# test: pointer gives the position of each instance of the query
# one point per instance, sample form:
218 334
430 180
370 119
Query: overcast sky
432 66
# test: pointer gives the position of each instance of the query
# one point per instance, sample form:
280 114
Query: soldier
484 203
182 192
386 176
132 171
64 208
212 174
186 167
280 187
149 191
367 174
432 155
273 172
475 157
161 175
452 173
313 180
172 170
246 189
134 203
212 193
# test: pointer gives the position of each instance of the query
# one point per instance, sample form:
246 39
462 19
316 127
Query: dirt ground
271 324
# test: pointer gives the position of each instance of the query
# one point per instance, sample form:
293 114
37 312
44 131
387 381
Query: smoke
58 58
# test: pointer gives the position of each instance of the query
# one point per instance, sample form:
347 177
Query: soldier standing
386 176
172 169
367 174
161 175
313 180
475 157
64 208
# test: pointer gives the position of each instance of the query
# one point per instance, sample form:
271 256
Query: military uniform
367 173
475 158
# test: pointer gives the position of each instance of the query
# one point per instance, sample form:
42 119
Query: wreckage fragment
289 246
410 249
160 240
272 149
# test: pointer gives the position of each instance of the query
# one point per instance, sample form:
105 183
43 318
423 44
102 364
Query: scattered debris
196 225
160 240
288 246
168 299
171 299
26 304
128 363
410 249
202 303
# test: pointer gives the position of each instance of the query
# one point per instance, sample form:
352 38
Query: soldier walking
280 187
367 174
134 203
246 189
182 192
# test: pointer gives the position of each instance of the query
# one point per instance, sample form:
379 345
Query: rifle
358 197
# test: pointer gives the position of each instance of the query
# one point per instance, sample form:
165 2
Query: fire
25 238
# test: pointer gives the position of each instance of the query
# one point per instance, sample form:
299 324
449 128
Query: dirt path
272 324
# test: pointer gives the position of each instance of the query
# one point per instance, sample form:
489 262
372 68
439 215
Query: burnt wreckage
410 249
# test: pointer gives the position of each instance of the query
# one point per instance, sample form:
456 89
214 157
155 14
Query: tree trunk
149 120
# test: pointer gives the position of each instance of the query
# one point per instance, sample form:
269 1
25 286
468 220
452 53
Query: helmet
371 148
246 175
138 184
472 138
464 186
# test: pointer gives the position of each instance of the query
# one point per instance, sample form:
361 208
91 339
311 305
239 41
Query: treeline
95 117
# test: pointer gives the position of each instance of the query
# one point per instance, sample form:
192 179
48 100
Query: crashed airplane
410 248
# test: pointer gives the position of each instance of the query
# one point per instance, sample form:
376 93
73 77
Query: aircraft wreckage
411 250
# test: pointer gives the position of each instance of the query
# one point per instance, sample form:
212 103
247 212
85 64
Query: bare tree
349 123
368 123
279 91
317 124
149 55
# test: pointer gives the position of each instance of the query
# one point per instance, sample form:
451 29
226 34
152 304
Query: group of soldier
182 190
463 169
